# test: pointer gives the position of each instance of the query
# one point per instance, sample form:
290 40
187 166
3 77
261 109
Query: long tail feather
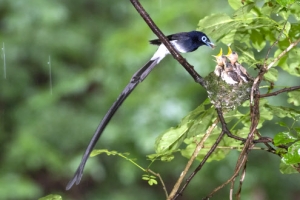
138 77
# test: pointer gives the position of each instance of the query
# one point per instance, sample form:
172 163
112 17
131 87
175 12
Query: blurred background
92 48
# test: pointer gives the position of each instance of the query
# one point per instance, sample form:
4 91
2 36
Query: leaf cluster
259 32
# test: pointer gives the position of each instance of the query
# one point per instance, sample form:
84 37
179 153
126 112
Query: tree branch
280 91
189 68
194 156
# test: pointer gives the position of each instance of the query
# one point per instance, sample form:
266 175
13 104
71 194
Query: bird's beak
229 51
219 54
210 44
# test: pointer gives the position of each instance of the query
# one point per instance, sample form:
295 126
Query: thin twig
218 140
242 178
221 186
276 42
189 68
266 68
292 45
224 131
161 180
280 91
193 157
224 126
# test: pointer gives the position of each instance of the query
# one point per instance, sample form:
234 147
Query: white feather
162 51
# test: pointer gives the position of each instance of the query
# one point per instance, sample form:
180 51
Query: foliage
93 48
260 31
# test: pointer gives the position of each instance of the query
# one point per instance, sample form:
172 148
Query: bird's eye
203 38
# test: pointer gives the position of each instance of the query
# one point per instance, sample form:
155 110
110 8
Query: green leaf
282 112
295 10
195 122
51 197
283 138
171 139
100 151
152 182
285 3
217 25
294 98
290 62
257 39
281 124
293 154
287 169
271 75
235 4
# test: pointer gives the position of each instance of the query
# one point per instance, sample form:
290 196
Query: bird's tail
138 77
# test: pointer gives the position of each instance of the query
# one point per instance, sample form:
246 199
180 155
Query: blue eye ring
204 38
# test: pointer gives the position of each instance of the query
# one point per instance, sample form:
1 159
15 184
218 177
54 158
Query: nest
224 95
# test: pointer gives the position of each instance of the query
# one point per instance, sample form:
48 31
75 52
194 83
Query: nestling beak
220 53
229 51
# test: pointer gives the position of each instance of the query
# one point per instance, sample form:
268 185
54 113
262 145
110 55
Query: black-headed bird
241 71
183 42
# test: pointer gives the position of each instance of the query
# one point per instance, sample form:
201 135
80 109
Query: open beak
211 45
219 54
229 51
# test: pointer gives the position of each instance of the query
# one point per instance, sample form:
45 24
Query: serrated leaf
294 98
271 75
293 154
283 138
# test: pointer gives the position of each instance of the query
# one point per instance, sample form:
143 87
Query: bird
229 75
220 63
183 42
241 71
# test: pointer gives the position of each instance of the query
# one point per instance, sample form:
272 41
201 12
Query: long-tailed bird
183 42
241 71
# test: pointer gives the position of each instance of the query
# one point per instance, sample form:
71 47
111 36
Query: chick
220 63
229 74
240 70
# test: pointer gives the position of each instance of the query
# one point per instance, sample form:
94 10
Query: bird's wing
176 36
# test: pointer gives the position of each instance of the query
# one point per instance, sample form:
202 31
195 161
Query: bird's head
232 56
205 40
219 58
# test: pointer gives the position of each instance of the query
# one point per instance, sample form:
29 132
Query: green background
93 49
